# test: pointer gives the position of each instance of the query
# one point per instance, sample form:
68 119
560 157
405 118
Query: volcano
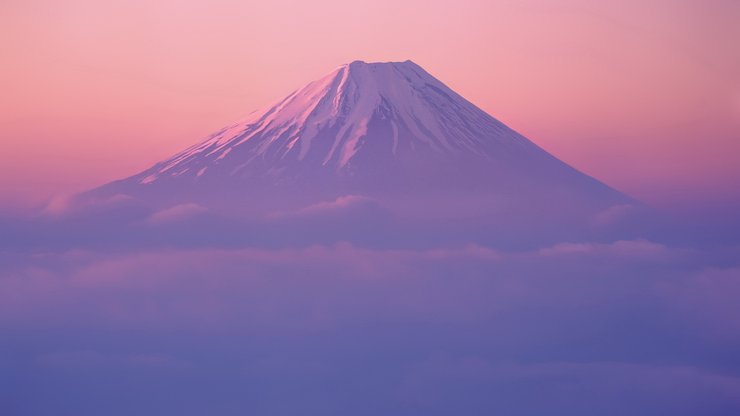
389 133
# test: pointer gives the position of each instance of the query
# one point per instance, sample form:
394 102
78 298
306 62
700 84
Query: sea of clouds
178 312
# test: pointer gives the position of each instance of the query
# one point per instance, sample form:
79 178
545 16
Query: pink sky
644 95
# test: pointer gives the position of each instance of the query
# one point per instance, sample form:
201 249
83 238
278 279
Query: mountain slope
388 133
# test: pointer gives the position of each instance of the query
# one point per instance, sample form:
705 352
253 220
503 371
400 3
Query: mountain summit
358 111
386 132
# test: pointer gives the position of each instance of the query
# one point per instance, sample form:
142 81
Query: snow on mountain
330 121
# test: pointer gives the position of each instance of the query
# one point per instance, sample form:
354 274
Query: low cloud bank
358 306
612 328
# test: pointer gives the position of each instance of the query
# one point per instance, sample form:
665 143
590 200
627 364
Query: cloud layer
629 327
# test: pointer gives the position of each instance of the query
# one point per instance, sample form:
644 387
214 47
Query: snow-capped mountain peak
388 132
392 107
371 144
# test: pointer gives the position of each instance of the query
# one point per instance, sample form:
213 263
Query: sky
644 95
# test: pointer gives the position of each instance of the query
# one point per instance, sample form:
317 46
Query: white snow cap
338 109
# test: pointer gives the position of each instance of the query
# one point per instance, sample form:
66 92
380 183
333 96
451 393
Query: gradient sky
644 95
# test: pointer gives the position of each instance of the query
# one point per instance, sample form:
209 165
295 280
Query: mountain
390 133
358 113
